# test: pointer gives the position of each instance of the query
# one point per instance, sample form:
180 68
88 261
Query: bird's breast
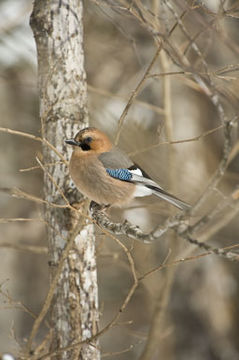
92 180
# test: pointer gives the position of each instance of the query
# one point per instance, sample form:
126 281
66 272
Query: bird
106 175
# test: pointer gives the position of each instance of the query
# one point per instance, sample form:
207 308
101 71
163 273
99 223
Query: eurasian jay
106 175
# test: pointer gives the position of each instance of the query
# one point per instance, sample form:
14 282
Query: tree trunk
58 32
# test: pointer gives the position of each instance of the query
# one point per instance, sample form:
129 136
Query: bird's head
90 140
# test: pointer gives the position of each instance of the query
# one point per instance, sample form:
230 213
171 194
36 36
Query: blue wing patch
121 174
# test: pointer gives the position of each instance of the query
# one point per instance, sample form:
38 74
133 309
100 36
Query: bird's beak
72 142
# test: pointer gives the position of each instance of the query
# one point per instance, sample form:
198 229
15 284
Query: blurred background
200 303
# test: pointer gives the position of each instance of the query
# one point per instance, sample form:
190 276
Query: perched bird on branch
106 175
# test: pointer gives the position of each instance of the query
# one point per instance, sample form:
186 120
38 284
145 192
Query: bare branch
177 223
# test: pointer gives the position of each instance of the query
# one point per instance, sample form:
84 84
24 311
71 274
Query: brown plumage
107 175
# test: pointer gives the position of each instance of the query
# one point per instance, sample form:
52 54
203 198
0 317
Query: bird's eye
88 139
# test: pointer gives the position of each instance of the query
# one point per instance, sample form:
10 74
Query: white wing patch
136 172
141 190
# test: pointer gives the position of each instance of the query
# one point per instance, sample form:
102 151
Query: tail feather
170 198
157 190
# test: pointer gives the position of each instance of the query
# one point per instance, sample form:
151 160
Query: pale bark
58 32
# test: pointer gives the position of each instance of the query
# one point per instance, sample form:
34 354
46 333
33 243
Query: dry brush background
190 308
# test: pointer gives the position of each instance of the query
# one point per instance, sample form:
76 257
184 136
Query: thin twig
38 167
54 282
35 138
10 220
40 250
177 262
175 142
115 353
134 94
53 181
16 304
17 193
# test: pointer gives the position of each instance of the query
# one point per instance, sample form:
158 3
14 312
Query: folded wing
119 166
